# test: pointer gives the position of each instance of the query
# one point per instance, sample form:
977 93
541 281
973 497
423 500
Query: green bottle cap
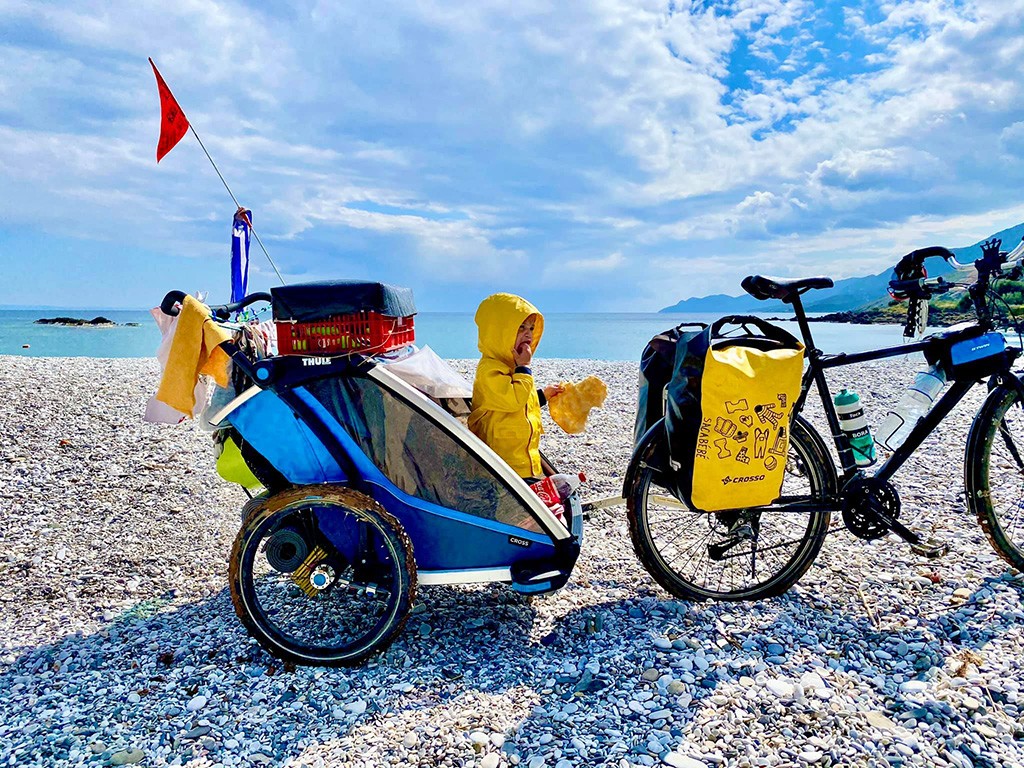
846 397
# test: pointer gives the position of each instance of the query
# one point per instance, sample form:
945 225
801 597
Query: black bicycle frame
819 362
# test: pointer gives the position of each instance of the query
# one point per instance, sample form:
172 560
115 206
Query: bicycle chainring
863 500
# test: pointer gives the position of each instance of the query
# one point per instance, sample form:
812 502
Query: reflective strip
219 416
480 576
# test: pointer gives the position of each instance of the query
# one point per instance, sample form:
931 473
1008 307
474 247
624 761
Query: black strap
696 326
768 330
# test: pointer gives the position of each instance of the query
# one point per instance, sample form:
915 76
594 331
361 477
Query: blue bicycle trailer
371 489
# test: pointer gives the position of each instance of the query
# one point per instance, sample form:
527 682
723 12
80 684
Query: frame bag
970 357
727 413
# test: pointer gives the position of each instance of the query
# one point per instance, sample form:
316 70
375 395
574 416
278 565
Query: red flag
173 123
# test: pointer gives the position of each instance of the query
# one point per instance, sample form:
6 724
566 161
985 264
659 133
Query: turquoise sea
599 336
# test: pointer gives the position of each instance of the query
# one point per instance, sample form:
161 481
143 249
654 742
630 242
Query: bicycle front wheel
994 473
745 554
322 575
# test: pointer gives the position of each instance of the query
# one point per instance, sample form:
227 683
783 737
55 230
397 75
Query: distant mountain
723 303
848 294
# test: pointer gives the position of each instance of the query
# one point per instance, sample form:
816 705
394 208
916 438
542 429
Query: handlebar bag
969 354
727 413
656 365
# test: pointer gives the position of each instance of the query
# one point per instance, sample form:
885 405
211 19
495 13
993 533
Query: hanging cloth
194 351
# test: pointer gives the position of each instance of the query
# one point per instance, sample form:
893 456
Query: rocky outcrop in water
78 321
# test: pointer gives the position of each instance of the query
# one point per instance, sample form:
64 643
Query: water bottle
553 489
915 403
854 425
566 484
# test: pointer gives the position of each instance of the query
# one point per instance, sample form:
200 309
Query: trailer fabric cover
285 441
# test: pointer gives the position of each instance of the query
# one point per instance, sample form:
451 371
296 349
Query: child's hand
553 389
523 354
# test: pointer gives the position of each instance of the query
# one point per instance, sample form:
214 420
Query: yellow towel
194 351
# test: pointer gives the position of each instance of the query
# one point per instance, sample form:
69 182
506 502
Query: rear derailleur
740 525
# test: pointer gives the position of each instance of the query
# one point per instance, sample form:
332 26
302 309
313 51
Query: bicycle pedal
930 548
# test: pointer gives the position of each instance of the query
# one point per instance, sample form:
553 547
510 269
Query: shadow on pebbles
120 644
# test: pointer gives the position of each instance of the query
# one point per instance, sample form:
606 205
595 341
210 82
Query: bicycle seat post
801 319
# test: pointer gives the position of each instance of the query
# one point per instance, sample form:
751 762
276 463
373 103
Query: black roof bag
309 302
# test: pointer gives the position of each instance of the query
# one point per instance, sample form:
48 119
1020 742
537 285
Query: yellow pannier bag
728 410
747 398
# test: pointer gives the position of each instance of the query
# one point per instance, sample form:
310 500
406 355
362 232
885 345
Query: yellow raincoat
506 409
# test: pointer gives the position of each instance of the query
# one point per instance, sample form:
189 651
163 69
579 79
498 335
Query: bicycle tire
808 458
280 604
995 451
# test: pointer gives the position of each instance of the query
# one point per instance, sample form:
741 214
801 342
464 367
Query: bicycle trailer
372 487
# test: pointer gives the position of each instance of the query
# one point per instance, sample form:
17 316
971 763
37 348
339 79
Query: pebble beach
120 644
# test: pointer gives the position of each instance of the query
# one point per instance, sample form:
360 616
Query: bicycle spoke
762 550
1004 432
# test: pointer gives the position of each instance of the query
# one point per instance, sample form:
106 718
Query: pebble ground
119 644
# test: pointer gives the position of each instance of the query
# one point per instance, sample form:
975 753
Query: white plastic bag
431 375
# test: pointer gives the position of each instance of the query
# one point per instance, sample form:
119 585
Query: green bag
232 467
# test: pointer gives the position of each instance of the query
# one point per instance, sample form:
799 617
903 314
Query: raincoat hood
498 319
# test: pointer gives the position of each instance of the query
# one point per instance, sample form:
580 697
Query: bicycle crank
871 508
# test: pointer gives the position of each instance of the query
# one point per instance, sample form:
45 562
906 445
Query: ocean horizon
614 336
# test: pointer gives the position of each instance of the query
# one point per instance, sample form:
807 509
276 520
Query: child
506 404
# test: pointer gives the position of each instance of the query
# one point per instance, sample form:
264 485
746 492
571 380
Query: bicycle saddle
761 287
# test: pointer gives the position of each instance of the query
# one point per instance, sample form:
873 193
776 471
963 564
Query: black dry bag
656 366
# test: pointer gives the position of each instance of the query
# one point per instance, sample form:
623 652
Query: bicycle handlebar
219 311
992 262
910 281
1010 260
932 250
922 288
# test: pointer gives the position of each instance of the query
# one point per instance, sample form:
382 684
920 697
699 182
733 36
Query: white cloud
876 168
460 141
566 269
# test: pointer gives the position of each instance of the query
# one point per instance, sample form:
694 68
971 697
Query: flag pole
225 183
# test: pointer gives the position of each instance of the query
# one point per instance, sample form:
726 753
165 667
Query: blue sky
607 155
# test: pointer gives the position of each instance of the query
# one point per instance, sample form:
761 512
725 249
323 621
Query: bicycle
748 554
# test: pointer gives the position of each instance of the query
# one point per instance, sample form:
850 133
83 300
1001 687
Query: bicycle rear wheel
322 575
744 554
994 473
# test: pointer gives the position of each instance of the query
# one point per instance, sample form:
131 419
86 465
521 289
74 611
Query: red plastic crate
362 332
